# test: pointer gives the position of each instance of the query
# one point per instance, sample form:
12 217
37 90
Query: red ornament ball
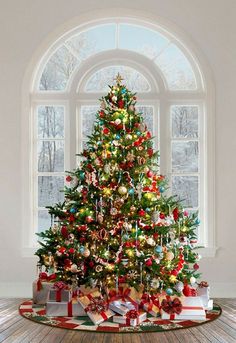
141 213
68 178
89 219
196 266
149 173
148 262
106 131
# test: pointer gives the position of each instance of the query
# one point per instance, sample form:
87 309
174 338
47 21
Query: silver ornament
107 168
155 216
179 286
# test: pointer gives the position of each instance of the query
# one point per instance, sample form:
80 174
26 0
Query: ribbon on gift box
172 307
132 314
59 286
97 305
122 294
43 277
70 309
150 301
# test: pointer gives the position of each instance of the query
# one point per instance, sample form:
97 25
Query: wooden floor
15 329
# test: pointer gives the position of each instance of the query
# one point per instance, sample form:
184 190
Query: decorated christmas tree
116 224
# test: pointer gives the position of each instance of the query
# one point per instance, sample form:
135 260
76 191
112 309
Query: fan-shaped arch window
133 79
177 70
75 72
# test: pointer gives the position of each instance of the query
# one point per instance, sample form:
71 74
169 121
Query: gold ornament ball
122 190
86 253
130 252
170 256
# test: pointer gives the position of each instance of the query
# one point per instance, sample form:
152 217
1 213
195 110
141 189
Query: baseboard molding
24 290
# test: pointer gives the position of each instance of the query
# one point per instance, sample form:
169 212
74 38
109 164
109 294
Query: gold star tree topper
118 79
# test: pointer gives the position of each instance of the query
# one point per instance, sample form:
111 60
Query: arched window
172 94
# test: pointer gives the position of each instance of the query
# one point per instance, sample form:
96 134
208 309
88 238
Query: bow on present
97 305
203 284
171 306
132 314
43 277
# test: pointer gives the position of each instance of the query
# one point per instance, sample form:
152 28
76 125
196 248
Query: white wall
24 25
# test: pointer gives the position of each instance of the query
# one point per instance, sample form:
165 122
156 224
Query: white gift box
131 322
97 318
41 296
207 303
192 309
63 295
64 309
203 291
121 307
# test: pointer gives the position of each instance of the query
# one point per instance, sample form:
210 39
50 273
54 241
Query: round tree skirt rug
37 313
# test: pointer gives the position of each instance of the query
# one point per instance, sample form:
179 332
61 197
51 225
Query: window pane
147 112
186 187
58 70
100 80
184 157
44 220
92 41
142 40
51 156
88 114
49 190
184 121
176 69
50 122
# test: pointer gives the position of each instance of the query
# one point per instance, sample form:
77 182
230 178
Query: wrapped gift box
64 309
192 309
90 302
130 321
124 293
63 295
207 303
121 307
41 294
83 290
152 309
203 291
